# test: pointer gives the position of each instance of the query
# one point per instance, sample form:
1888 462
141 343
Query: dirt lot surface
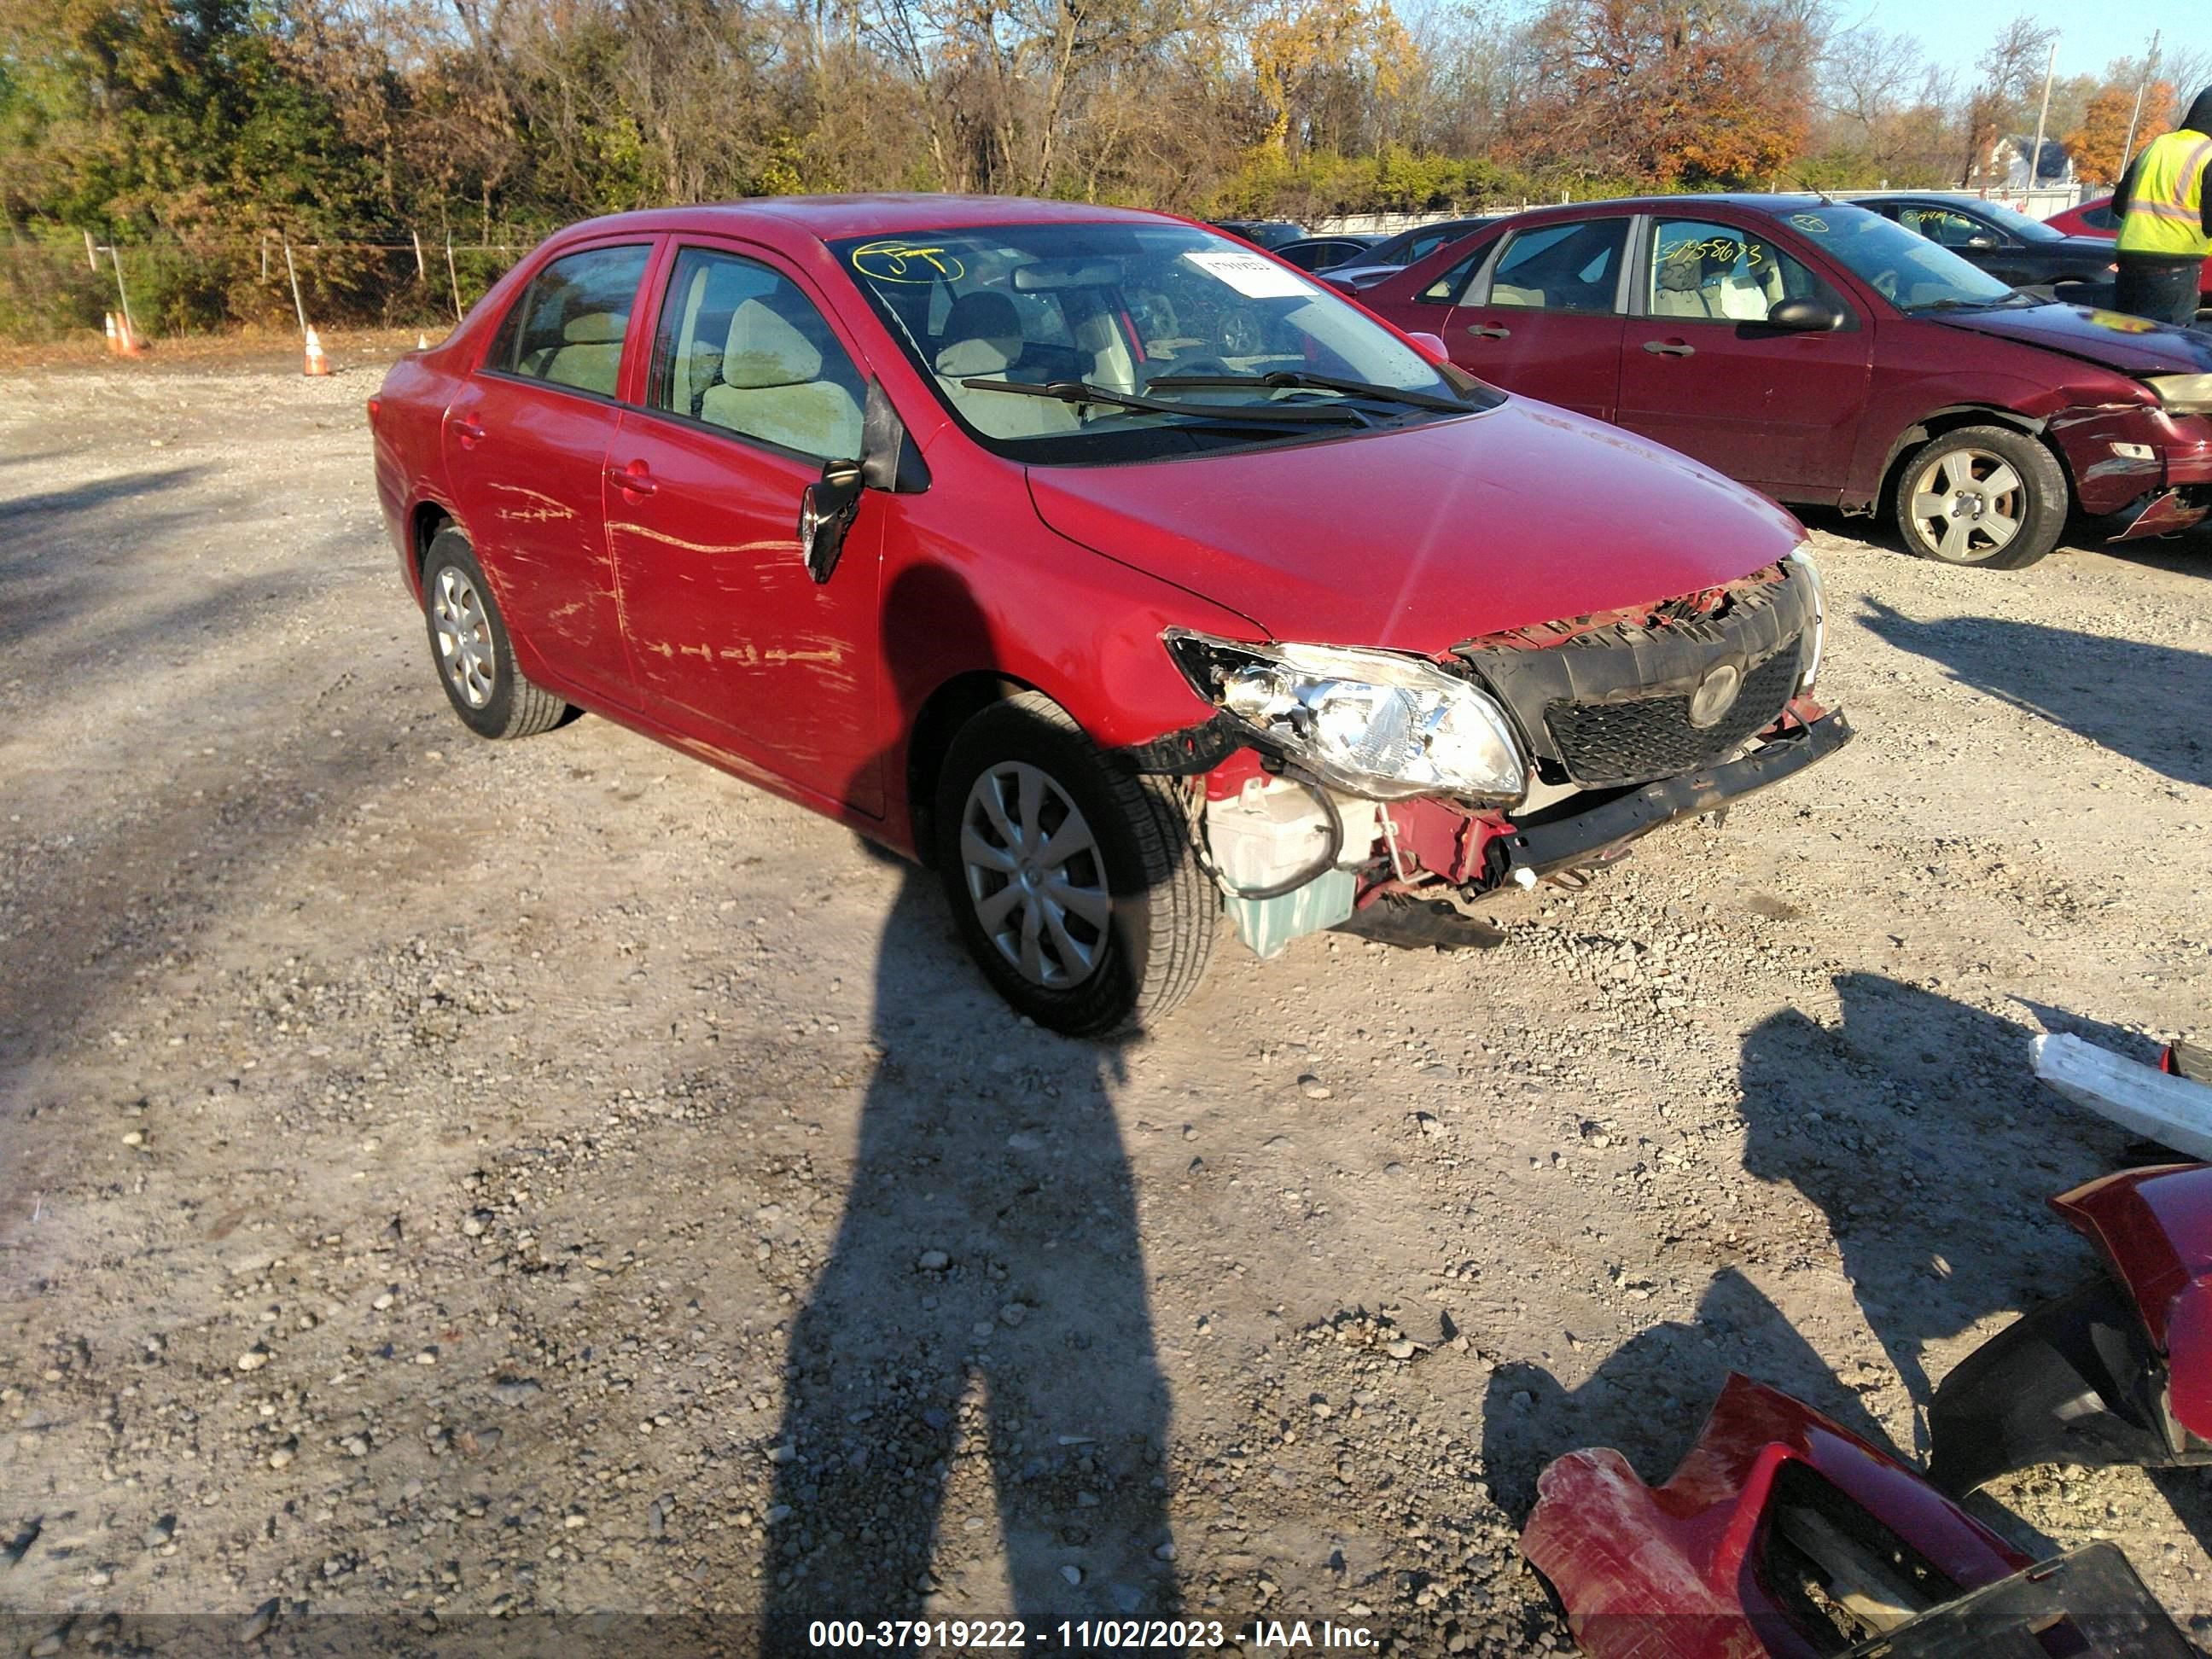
441 1178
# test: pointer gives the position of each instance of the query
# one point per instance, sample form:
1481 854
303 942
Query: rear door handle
468 429
635 479
1489 332
1669 348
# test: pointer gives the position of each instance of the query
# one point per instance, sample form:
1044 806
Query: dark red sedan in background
1825 355
1011 534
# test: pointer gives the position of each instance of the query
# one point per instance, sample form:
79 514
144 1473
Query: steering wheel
1885 285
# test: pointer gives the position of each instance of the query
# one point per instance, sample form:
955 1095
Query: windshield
1903 266
1153 339
2027 229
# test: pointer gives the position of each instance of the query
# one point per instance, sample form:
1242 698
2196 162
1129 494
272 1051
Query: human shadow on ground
1649 1397
1918 1129
982 1323
2138 700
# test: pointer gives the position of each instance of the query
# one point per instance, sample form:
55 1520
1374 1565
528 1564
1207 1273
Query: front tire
1983 496
470 645
1071 879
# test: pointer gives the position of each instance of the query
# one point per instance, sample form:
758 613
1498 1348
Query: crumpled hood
2133 345
1417 538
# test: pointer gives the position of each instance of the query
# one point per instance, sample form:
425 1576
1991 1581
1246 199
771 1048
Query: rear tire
1071 879
1983 496
469 644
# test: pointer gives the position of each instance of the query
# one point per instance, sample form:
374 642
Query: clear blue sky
1959 31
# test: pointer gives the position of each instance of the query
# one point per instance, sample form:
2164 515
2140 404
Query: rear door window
1574 267
569 325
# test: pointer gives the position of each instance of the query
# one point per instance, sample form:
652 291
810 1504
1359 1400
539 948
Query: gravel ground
439 1178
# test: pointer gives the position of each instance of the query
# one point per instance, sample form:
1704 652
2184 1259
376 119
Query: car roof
1941 198
1756 201
828 217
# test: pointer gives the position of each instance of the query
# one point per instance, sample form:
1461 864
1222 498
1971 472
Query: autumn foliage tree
1675 92
2096 144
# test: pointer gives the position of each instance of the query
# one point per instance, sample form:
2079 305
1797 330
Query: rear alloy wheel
1071 879
469 642
1983 496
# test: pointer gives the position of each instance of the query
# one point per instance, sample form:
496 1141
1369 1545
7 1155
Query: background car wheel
1071 879
470 645
1982 495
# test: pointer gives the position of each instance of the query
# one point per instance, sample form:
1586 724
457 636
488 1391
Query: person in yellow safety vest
2165 210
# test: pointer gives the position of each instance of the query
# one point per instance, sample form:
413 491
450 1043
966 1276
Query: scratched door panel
735 644
527 489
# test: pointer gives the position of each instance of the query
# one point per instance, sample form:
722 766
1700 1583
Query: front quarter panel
1923 369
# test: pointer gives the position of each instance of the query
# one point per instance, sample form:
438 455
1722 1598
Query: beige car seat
1747 296
1678 292
1504 293
589 356
772 388
982 340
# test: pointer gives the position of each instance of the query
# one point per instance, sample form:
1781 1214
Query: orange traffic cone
127 342
316 363
114 342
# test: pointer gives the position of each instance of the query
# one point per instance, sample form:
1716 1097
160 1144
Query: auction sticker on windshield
1250 274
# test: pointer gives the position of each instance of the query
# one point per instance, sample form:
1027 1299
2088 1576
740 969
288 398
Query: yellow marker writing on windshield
901 261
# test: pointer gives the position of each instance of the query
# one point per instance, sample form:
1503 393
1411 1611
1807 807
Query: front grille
1607 744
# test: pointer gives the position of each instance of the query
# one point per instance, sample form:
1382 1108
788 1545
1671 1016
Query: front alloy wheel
1985 495
1967 505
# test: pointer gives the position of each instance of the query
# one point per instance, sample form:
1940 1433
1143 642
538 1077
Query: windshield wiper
1082 392
2013 297
1285 379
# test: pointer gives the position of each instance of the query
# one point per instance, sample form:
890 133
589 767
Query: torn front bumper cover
1541 846
2166 513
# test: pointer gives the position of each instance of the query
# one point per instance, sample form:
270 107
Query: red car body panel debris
1674 1571
2155 1227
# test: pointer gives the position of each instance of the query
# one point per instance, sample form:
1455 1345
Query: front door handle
635 479
1489 332
468 429
1669 348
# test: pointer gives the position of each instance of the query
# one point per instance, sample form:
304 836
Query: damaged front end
1348 782
1783 1534
2119 1371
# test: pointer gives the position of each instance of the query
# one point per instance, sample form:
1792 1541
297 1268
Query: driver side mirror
825 514
1805 317
1981 241
888 461
1431 345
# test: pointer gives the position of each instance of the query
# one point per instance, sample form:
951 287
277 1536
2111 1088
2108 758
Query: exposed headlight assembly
1369 723
1801 565
2182 394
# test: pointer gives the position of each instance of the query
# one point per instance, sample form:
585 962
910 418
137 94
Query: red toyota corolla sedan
1825 354
1124 574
